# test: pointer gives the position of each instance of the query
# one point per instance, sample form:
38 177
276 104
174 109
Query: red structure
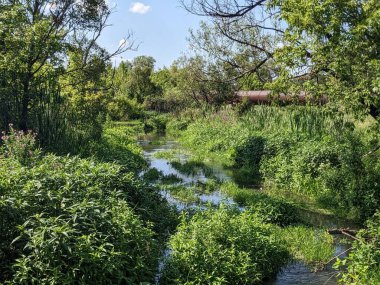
264 97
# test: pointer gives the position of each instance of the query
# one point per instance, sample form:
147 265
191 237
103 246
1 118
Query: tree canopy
328 47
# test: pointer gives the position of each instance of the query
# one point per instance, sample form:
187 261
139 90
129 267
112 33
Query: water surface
293 274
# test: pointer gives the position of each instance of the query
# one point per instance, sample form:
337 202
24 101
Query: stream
295 273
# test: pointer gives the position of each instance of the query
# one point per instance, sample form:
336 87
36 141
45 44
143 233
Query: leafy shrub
223 246
152 175
362 266
182 193
118 144
308 152
61 202
250 152
93 243
333 171
156 122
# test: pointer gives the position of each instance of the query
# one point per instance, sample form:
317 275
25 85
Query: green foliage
152 175
92 242
329 37
240 55
170 179
182 193
302 150
192 168
201 82
140 85
274 210
362 266
50 83
155 122
118 144
333 170
223 246
314 247
65 219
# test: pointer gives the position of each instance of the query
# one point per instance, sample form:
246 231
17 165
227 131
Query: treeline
57 213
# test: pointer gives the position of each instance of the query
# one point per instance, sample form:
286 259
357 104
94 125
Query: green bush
306 151
273 210
362 266
93 243
118 144
223 246
333 171
82 209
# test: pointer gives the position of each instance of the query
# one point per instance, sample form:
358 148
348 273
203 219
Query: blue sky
159 26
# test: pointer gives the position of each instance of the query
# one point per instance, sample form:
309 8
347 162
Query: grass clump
223 246
152 175
182 193
170 155
314 247
275 210
208 186
171 179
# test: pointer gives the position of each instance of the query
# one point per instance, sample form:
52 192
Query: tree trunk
25 106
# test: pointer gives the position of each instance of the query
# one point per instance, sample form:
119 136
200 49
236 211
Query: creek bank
296 273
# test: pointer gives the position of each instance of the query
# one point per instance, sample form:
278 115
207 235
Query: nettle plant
20 145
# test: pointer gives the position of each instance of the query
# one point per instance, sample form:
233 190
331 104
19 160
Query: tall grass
308 151
314 247
311 121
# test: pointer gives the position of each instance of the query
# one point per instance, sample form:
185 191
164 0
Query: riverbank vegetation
81 203
223 246
65 219
312 154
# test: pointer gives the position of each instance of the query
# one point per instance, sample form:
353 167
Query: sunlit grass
315 247
182 193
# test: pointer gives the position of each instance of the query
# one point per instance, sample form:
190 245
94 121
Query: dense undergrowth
314 158
223 246
69 220
362 266
322 158
94 220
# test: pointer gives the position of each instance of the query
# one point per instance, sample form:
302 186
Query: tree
334 50
328 47
35 37
131 86
244 52
140 85
202 82
121 106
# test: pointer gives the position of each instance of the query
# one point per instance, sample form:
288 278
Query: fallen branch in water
347 232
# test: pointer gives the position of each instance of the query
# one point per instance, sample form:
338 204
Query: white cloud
139 8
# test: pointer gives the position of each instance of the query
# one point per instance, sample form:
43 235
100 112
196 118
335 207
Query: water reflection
292 274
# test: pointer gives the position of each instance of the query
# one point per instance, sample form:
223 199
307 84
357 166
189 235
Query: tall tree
35 36
328 47
242 50
140 85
